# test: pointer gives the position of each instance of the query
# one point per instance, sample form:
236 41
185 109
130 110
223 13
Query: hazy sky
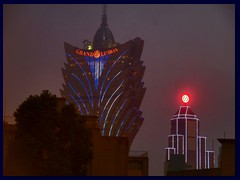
186 48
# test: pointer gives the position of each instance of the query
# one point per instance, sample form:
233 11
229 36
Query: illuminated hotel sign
96 53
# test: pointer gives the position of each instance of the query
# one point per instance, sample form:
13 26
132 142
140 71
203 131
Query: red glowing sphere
185 98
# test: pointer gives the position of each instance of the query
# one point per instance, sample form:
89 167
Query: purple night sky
186 48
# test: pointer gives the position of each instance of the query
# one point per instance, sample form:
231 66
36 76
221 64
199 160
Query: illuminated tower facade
104 79
185 141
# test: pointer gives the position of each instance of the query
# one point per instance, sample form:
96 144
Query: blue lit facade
106 81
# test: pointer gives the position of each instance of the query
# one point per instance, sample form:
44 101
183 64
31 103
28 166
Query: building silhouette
138 163
227 157
111 156
104 79
226 166
186 145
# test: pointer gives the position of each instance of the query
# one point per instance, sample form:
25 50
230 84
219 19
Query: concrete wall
110 154
227 157
201 172
138 166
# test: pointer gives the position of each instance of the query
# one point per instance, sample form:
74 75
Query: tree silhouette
50 140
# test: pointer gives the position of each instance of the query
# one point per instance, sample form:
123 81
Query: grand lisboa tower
104 79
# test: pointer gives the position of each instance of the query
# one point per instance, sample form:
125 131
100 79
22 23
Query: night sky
187 48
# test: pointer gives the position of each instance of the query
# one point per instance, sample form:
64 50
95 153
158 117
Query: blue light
84 75
135 117
96 67
109 111
83 86
78 96
100 119
123 121
109 134
108 74
110 84
76 103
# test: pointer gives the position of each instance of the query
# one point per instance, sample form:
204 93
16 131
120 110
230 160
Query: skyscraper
185 140
104 79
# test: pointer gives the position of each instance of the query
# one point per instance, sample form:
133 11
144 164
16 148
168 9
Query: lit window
89 47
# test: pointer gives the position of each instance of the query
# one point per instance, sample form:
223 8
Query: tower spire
103 38
104 16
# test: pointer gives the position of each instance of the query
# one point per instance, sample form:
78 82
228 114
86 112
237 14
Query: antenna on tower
104 9
104 16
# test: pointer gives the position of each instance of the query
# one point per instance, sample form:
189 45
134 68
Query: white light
185 98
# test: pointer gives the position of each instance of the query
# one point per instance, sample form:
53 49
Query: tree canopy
50 139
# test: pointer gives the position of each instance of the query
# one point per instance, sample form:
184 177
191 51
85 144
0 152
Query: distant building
184 142
138 163
8 137
226 163
176 163
104 79
196 172
227 157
